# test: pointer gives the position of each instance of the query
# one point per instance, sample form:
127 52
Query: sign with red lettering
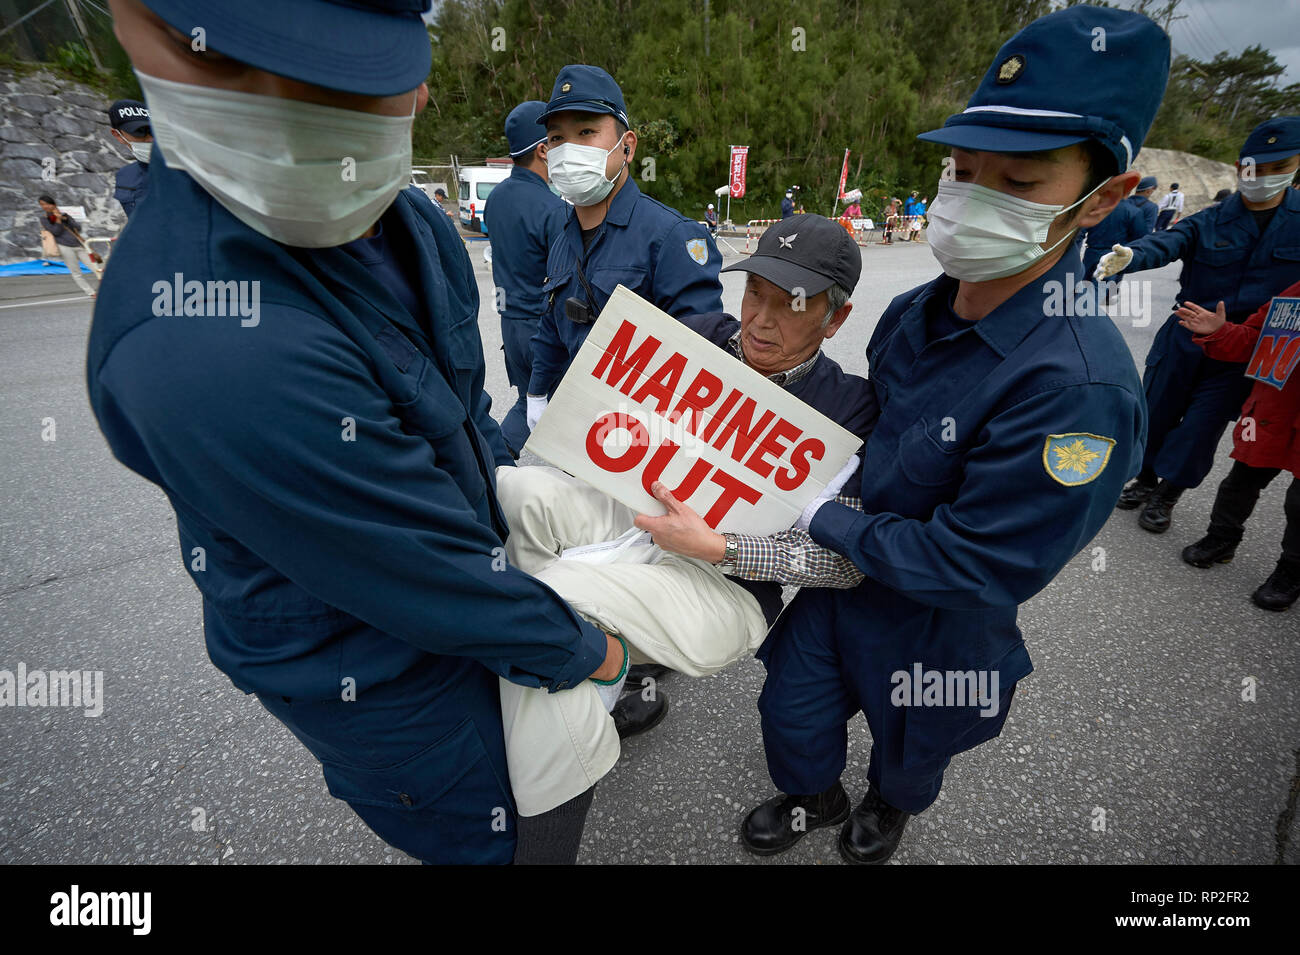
647 399
1278 350
739 156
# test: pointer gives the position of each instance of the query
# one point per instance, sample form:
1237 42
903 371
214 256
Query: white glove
535 408
609 693
828 493
1116 260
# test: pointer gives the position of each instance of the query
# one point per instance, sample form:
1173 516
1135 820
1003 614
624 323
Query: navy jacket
523 219
1147 209
131 185
331 462
970 509
846 399
666 258
1225 257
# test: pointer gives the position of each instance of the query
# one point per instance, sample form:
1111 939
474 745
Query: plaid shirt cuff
793 558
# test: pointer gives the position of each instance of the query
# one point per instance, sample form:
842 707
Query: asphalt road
1135 708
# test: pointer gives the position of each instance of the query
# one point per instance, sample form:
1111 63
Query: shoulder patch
1076 458
696 250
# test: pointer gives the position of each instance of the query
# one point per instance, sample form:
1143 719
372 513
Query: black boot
1155 517
872 833
1135 494
783 820
1208 551
1281 589
634 714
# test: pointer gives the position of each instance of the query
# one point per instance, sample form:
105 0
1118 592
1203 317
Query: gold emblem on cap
1011 68
566 87
1272 140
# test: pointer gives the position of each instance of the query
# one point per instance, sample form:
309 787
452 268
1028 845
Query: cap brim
1270 157
999 139
326 44
578 106
784 275
133 127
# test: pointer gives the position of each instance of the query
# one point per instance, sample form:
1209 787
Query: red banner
844 173
739 156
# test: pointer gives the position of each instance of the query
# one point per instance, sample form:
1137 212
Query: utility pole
75 12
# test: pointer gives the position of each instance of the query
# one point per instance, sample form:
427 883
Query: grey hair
836 298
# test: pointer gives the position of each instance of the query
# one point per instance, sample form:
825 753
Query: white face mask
979 234
303 174
1263 188
141 151
578 172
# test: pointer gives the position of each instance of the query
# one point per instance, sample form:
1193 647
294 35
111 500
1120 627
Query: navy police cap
1147 182
368 47
586 89
521 127
129 116
1273 139
1079 73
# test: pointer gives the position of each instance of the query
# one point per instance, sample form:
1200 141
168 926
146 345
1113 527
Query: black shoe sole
1128 505
851 860
1271 609
839 820
1207 564
1153 530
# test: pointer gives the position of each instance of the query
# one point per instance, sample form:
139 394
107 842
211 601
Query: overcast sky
1233 25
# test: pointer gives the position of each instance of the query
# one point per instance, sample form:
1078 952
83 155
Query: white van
476 182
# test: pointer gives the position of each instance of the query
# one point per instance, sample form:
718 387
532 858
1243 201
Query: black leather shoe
1156 516
872 833
776 825
633 714
639 671
1209 551
1134 495
1280 590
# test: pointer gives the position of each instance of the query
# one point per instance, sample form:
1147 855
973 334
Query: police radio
576 310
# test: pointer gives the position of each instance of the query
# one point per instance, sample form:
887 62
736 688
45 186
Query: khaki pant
677 611
70 256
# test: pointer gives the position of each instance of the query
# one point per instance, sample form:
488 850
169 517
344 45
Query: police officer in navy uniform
1241 252
614 235
1006 431
522 221
327 446
787 204
1141 200
129 120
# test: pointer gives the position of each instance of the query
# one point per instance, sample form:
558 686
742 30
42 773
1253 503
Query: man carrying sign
1272 410
1005 434
711 599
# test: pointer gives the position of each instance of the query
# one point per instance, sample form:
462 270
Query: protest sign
1278 350
647 399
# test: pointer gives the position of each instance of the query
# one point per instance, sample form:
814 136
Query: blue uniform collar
620 210
1233 208
1007 325
527 175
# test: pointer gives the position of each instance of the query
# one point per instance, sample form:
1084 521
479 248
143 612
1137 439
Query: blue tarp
38 267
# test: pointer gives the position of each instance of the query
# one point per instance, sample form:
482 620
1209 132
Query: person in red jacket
1265 443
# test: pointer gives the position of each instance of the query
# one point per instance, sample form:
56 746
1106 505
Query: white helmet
710 205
